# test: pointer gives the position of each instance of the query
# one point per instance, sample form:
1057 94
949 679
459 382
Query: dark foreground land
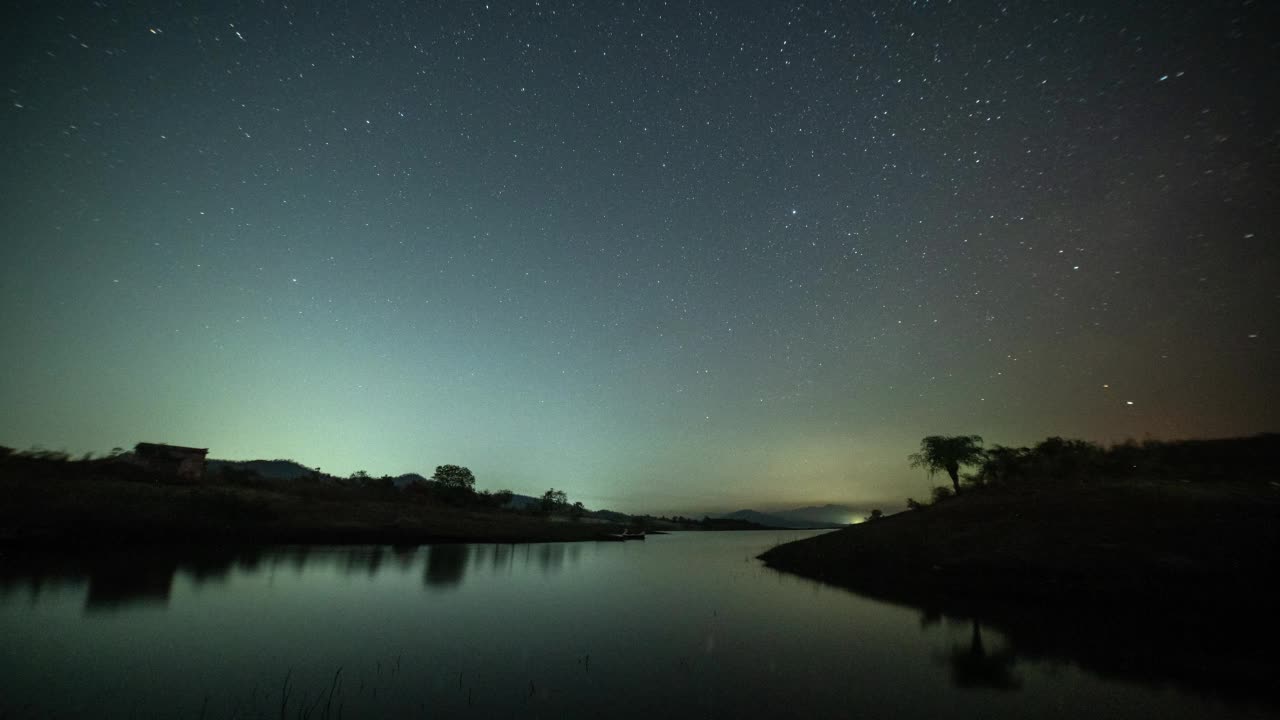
51 502
1162 577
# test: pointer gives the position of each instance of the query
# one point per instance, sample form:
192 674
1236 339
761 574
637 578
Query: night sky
664 256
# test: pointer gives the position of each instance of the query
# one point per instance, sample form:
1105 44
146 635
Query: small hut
184 462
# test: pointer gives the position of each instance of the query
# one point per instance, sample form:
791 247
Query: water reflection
603 630
124 583
147 577
118 579
403 556
550 558
976 667
446 565
364 560
1224 648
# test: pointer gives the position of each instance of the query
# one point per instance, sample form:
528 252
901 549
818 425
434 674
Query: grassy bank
99 502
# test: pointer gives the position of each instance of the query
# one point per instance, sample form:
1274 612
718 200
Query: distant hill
270 469
779 520
407 479
527 502
829 514
610 516
291 470
523 502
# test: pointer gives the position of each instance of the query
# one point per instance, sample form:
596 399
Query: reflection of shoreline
145 577
118 579
1224 649
446 565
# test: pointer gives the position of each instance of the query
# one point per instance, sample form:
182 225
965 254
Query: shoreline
1148 582
69 506
301 536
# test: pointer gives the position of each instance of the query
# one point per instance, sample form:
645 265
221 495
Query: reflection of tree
297 556
367 560
502 556
119 579
551 557
122 581
214 565
446 564
404 555
974 667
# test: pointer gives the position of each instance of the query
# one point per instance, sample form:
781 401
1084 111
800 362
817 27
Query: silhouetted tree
455 478
553 500
875 515
1002 465
1058 458
947 453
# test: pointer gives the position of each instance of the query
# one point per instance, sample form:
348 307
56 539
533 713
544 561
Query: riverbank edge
301 536
1147 582
1096 546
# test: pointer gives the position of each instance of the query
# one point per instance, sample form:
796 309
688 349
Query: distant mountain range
804 518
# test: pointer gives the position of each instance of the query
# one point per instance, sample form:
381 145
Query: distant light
1128 402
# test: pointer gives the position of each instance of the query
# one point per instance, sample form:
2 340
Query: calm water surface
680 625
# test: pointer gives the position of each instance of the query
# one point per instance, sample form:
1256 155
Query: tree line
1056 459
453 485
456 485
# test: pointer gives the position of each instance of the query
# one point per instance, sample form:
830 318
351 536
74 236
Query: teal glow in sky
667 258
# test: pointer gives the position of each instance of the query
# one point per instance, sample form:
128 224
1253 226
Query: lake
679 625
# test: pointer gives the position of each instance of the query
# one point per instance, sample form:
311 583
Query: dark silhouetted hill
779 520
829 514
266 469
